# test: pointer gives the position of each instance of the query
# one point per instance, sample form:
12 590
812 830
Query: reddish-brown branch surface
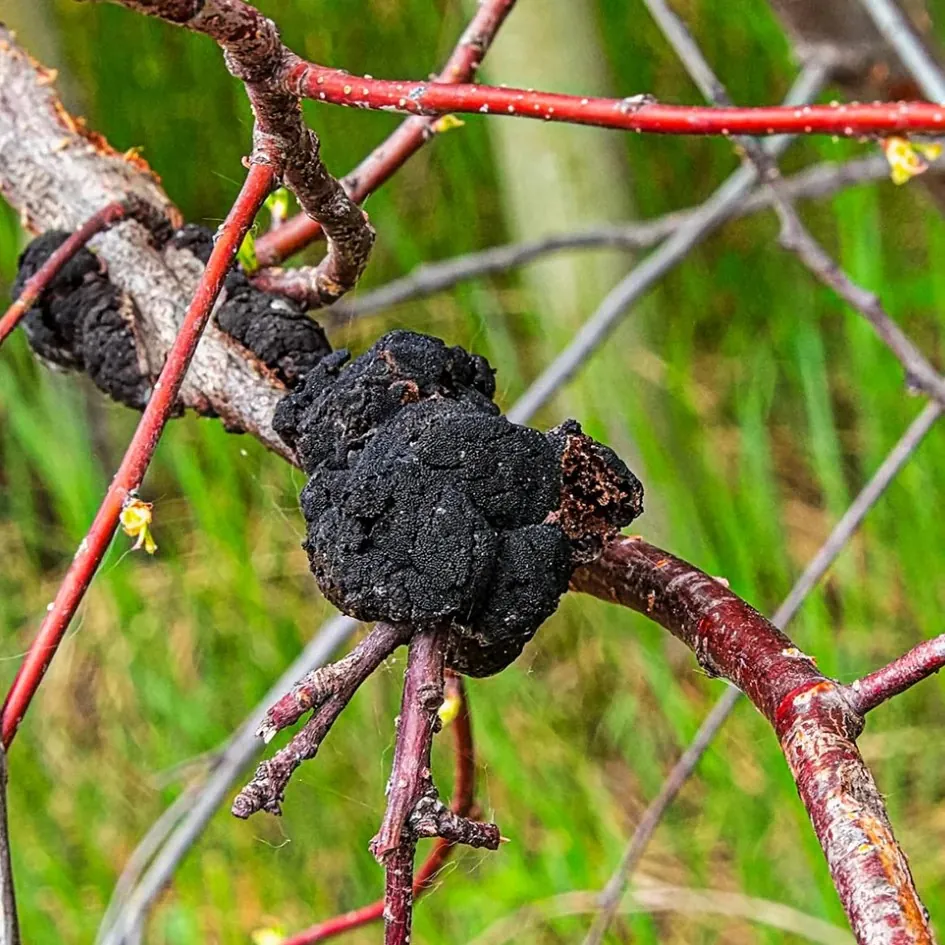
635 113
919 663
464 791
138 456
393 153
815 722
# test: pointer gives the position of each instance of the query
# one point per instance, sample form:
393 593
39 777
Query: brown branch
463 799
254 53
333 690
413 808
409 137
837 540
901 674
814 721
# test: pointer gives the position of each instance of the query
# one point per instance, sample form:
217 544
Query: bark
58 174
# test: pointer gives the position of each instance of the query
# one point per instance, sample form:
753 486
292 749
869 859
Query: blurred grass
758 406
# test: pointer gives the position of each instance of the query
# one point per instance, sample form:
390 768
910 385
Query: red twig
105 218
919 663
409 137
636 113
463 795
812 716
395 844
138 456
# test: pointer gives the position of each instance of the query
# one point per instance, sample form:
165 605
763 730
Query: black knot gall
425 506
84 323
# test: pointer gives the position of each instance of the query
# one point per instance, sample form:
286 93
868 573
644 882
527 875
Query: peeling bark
57 173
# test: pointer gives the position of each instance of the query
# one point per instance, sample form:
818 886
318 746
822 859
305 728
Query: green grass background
756 406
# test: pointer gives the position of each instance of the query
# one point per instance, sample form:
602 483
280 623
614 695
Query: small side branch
919 663
413 808
463 800
409 137
327 690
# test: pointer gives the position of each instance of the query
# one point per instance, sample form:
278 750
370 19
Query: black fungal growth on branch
84 323
426 507
272 327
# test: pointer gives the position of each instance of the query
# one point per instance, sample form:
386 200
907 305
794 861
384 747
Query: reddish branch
815 722
635 113
919 663
464 791
106 218
254 54
409 137
413 807
138 456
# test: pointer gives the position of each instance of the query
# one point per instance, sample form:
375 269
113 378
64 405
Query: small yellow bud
135 520
447 123
908 159
450 708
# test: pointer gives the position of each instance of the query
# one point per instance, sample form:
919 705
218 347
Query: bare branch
255 54
463 798
331 689
815 724
615 306
794 235
815 182
409 137
901 674
837 540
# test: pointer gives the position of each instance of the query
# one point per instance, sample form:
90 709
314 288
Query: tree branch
901 674
393 153
463 800
820 180
254 53
138 456
413 809
815 724
103 219
57 174
837 540
327 690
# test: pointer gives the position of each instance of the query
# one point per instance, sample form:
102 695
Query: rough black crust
274 328
427 507
83 322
